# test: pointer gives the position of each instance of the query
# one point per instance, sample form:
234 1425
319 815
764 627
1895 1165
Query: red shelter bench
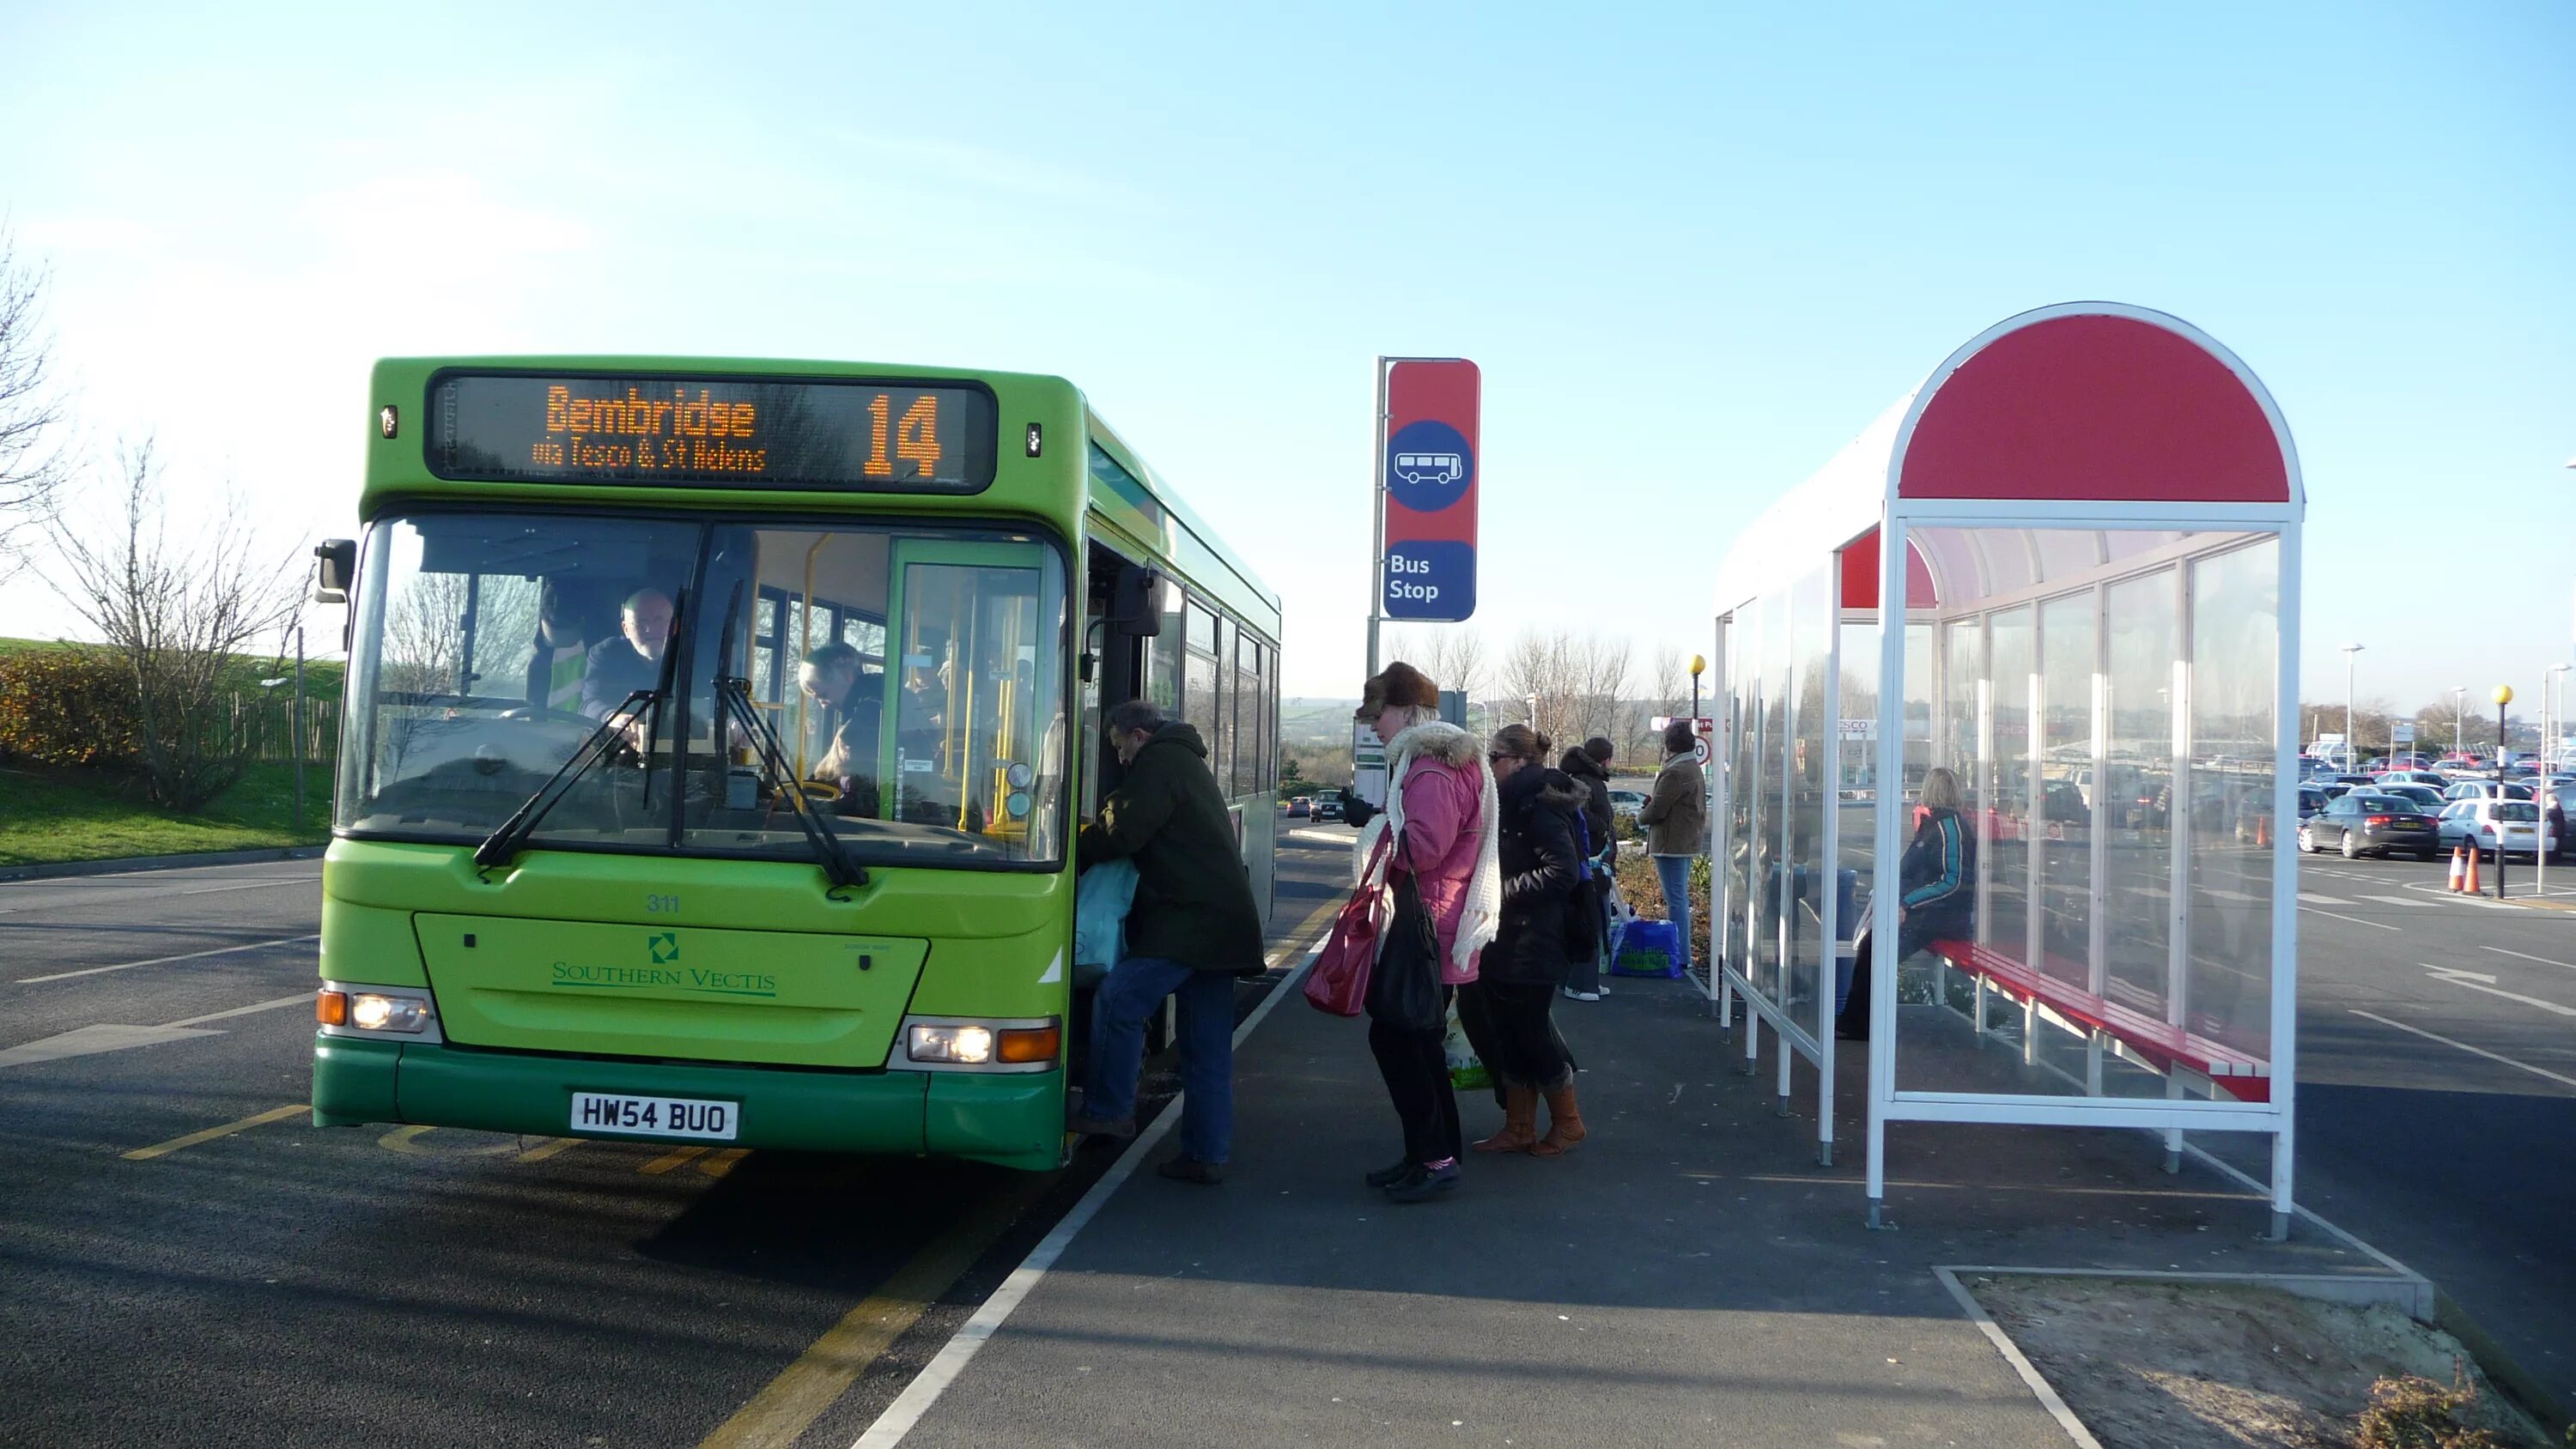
2158 1045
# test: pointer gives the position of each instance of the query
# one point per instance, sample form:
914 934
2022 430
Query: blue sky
1694 248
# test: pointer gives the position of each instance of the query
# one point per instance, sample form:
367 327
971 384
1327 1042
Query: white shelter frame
1861 491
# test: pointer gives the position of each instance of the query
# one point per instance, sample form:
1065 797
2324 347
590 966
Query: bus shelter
2065 569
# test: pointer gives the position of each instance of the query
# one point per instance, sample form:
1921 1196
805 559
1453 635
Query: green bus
716 735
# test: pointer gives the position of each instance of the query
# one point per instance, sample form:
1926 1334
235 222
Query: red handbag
1340 979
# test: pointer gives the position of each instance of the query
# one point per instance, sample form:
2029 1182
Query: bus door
965 638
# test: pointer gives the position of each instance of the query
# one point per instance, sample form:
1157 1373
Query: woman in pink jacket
1441 813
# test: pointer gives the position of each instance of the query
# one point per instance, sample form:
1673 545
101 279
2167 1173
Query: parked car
1624 804
2368 823
2412 776
2489 825
1327 806
2312 799
2423 795
2487 790
1301 807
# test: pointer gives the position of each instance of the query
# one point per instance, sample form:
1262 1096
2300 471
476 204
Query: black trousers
1912 934
1513 1028
1417 1081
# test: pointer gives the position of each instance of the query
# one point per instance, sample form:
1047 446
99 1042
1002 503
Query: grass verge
49 816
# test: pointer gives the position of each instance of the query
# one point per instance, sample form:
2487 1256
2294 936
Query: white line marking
2499 950
249 886
2428 898
2311 898
952 1358
166 960
2480 981
90 1040
2030 1375
2464 1046
257 1006
2356 920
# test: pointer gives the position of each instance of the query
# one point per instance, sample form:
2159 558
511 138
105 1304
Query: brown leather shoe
1520 1123
1564 1123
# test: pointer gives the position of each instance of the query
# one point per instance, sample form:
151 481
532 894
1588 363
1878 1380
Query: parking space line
166 960
255 1007
164 1149
817 1379
2464 1046
2355 920
2561 965
717 1164
671 1159
551 1147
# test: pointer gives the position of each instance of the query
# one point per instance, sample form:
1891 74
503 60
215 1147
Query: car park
2490 825
2369 823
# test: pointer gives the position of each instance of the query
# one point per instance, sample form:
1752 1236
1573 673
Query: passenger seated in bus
631 661
561 658
832 676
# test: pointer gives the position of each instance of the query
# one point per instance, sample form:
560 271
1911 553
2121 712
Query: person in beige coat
1675 817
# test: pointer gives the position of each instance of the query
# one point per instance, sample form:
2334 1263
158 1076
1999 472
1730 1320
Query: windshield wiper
733 699
503 843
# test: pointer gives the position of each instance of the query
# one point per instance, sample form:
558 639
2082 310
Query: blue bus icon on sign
1429 466
1435 468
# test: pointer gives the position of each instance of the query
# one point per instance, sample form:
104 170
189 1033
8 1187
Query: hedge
68 707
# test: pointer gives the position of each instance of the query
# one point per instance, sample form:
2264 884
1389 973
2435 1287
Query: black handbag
1404 990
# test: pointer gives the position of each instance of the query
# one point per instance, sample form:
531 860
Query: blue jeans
1672 872
1129 994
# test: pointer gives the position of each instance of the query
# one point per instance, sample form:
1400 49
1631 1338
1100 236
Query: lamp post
2552 702
2503 696
2459 718
2351 738
1699 666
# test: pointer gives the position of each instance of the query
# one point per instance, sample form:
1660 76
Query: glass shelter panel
1743 783
1770 747
2003 826
2063 837
1810 786
2144 633
2235 643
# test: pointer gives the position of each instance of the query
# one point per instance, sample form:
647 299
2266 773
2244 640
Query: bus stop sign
1427 443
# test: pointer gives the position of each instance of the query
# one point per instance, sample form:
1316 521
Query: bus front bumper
1012 1120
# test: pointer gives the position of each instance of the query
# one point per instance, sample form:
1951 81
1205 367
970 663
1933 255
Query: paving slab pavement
1689 1275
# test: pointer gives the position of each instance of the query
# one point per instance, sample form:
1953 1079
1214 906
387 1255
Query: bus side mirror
337 564
1136 602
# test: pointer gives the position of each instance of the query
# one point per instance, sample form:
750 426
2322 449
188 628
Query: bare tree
180 618
31 409
1453 655
1571 684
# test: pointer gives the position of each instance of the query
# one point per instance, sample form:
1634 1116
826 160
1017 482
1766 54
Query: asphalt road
2437 1089
281 1284
278 1284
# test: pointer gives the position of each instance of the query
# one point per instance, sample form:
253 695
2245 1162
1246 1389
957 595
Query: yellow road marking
1297 942
818 1378
273 1114
671 1159
549 1148
718 1164
407 1140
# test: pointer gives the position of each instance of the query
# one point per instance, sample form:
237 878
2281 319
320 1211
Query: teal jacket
1193 900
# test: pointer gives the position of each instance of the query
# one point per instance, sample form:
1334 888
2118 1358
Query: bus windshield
907 681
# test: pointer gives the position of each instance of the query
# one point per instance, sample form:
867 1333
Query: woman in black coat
1507 1009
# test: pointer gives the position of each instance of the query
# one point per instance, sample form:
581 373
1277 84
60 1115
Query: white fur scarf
1481 917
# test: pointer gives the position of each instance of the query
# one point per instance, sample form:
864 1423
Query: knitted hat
1397 685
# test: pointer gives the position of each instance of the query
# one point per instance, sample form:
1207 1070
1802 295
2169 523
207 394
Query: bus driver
618 667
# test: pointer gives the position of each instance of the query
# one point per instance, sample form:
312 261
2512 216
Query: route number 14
916 436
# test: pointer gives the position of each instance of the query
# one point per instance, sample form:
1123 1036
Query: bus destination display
746 432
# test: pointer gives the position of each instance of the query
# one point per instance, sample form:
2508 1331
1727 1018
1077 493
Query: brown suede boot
1520 1122
1564 1122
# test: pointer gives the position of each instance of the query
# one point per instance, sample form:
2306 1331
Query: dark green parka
1193 899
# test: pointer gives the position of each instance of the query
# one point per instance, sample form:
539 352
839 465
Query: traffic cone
2262 831
2459 868
2470 886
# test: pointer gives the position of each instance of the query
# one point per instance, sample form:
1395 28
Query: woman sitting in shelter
1937 882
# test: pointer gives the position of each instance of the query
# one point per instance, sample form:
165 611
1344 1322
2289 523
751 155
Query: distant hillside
1315 721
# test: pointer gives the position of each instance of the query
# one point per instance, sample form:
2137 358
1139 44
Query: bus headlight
343 1009
968 1044
371 1011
